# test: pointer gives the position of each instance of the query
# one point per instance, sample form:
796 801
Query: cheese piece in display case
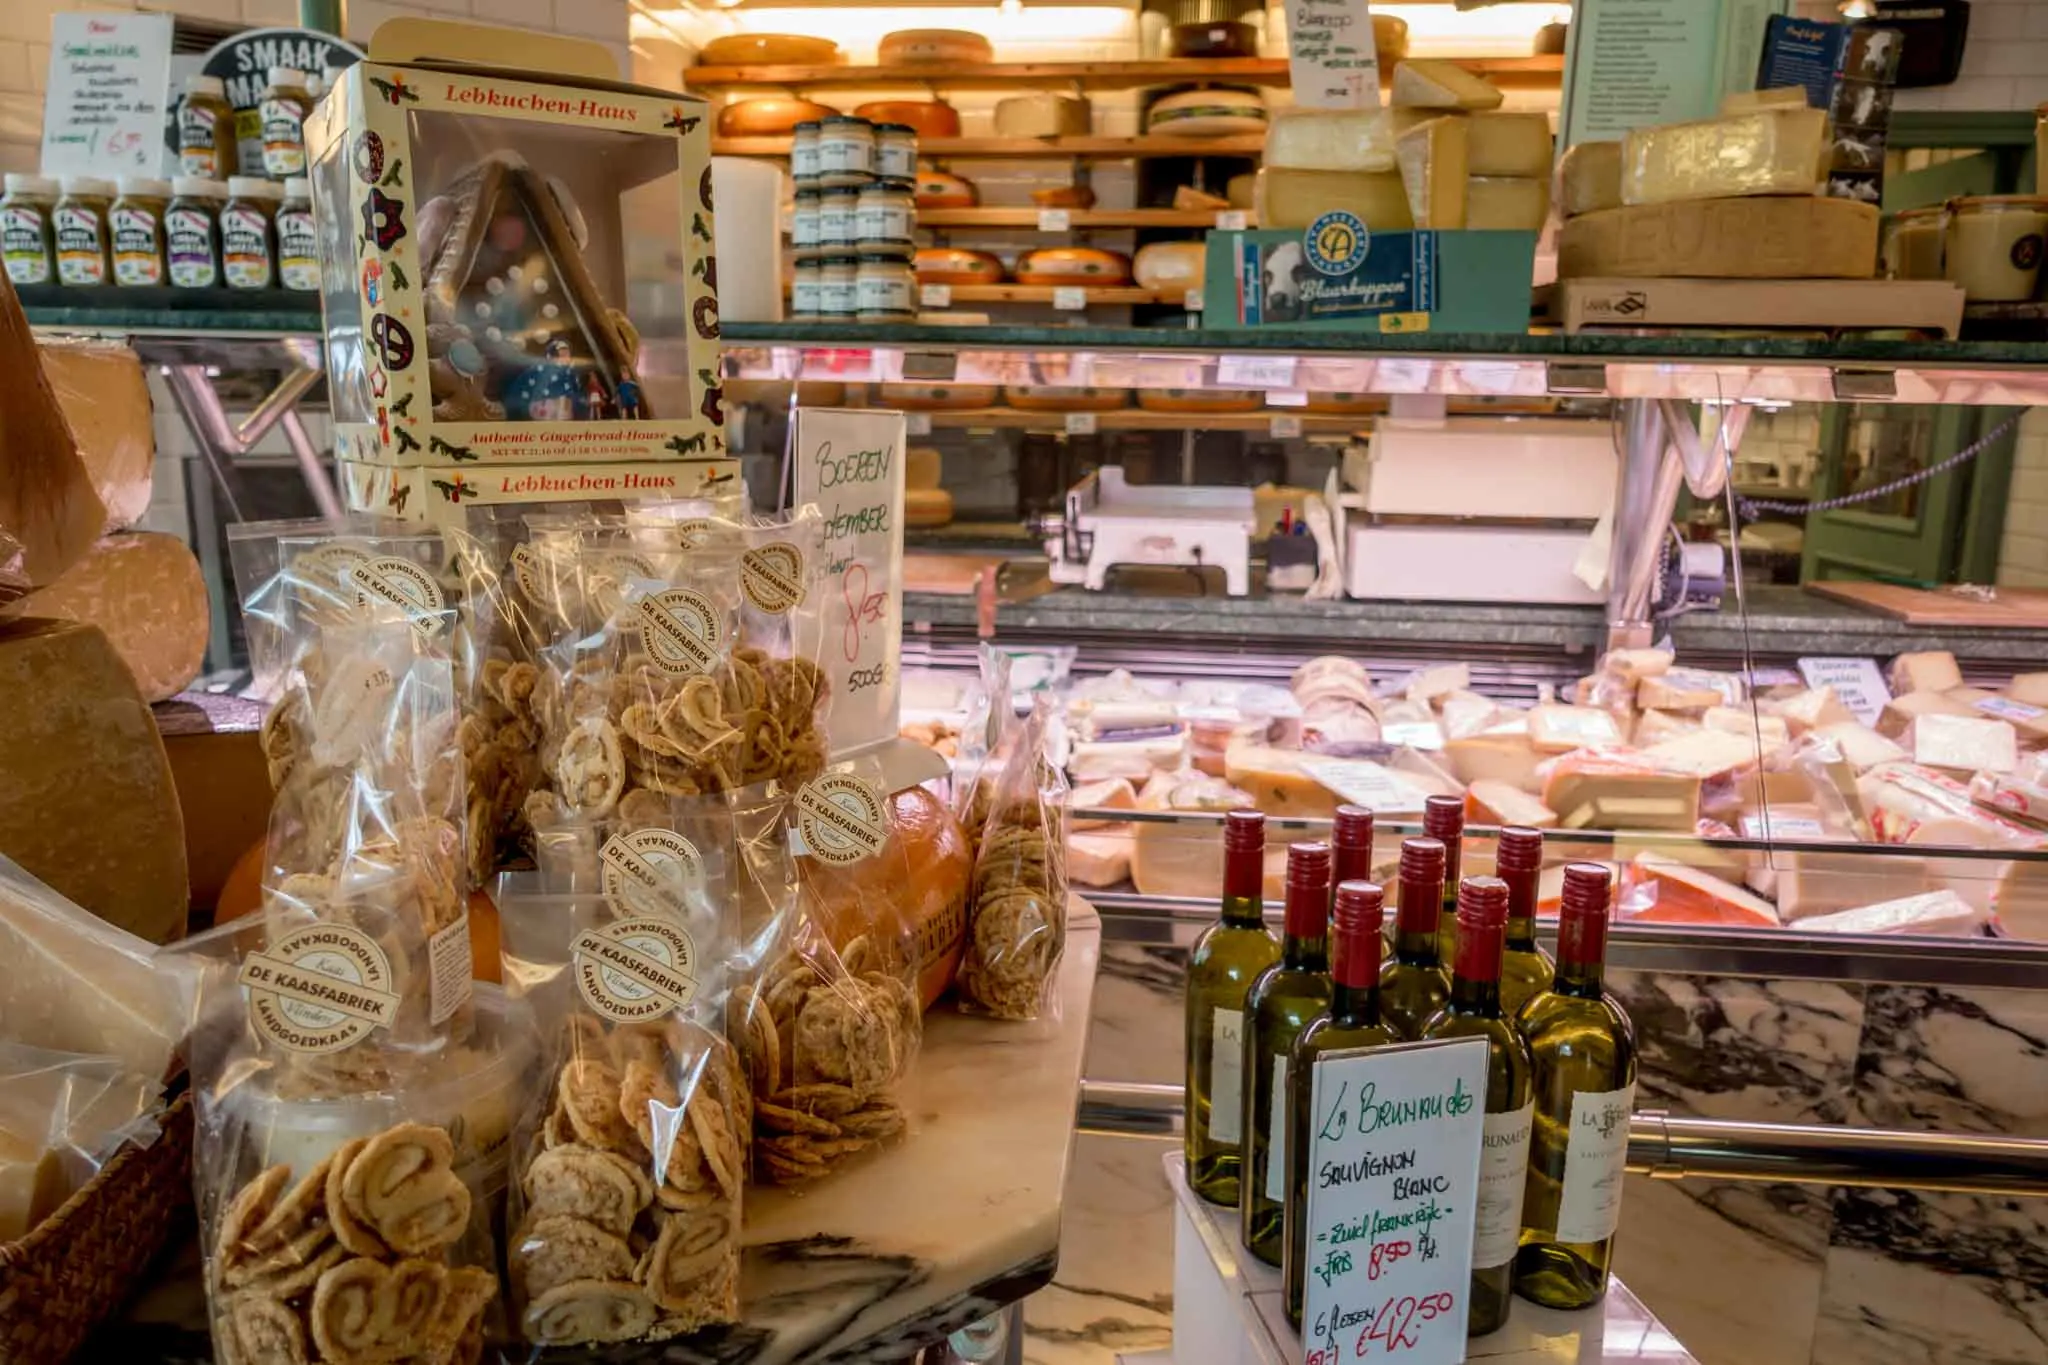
1071 265
1791 236
1769 151
1330 140
1962 745
1431 157
927 118
768 49
1208 113
769 116
955 265
1589 177
1441 85
1167 266
1511 142
939 190
1289 198
1042 115
1497 203
914 46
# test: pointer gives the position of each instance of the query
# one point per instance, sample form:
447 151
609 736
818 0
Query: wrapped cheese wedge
1910 804
1929 912
1661 889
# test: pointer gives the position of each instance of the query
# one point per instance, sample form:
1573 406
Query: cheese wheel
928 118
1240 188
1170 265
106 402
938 190
1058 265
1345 403
937 397
1389 38
955 265
1208 113
922 467
1064 197
909 46
145 590
927 507
771 116
1064 398
1198 400
1042 115
768 49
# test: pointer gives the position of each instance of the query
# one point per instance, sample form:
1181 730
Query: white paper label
1770 824
1365 783
1069 298
1856 681
452 970
2007 709
1226 1076
917 423
1285 426
1192 300
1054 220
1255 371
1595 1159
109 79
935 295
1080 424
1276 1136
1503 1175
1231 220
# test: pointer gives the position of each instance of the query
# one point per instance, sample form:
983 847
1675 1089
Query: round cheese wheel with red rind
910 46
769 116
146 591
768 49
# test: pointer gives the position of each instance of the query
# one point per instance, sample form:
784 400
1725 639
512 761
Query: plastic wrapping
981 739
631 1160
1017 911
62 1117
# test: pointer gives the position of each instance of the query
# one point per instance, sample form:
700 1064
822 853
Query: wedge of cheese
1441 85
1431 157
1589 178
1931 670
1900 712
1509 142
1654 727
1115 793
1505 758
1289 197
1100 857
1555 729
1705 754
1813 709
1276 781
1506 203
1962 745
146 592
1465 712
1604 792
1498 803
1862 746
1438 681
1661 889
1740 720
2029 720
1689 689
1927 912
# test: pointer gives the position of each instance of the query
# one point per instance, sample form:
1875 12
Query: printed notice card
1393 1187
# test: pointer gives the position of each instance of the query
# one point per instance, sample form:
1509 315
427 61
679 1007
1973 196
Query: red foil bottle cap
1244 854
1352 828
1361 908
1422 860
1244 830
1308 890
1422 886
1482 927
1582 915
1443 817
1519 850
1355 935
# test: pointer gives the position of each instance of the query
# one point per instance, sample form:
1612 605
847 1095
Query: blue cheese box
1338 275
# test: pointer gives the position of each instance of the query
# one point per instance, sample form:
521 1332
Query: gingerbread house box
517 279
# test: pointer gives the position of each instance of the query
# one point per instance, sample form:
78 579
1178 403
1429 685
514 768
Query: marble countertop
1617 1331
935 1232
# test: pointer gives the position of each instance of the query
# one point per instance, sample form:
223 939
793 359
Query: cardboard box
1337 276
486 229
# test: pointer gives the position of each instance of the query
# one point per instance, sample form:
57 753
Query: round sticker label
402 584
650 872
841 818
320 989
682 630
321 572
1336 243
635 969
772 576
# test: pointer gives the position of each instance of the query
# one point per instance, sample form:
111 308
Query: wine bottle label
1276 1136
1503 1175
1226 1076
1595 1159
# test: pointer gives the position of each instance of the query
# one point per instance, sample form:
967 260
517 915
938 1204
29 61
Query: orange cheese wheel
937 397
768 49
1064 197
1345 403
927 507
1058 265
938 190
956 265
930 118
1198 400
907 46
1064 398
770 116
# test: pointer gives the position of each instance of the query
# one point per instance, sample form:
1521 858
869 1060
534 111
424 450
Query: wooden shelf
1138 419
1509 72
1076 218
1098 295
1055 148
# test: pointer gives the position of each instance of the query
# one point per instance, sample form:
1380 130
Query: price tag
935 296
1054 220
1331 59
1286 398
1080 424
1362 782
1231 220
1393 1198
1255 371
1856 681
1285 426
1192 300
917 423
1070 298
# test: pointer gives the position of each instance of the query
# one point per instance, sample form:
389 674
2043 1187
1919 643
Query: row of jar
1990 244
879 214
190 233
865 286
210 144
849 151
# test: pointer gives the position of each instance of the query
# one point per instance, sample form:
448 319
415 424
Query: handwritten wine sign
109 77
1332 60
850 464
1393 1187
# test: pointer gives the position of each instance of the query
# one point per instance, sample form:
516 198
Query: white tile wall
2023 554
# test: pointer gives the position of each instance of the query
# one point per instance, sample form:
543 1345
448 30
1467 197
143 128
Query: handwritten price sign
850 464
109 77
1333 62
1393 1187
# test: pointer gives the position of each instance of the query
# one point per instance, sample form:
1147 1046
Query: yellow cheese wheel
1064 398
927 118
927 507
772 116
1060 265
1198 400
907 46
955 265
1170 265
1345 403
1208 113
922 467
768 49
938 190
937 397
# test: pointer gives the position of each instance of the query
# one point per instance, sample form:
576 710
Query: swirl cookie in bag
781 628
1017 911
626 1206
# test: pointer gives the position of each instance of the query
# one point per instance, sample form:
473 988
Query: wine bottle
1353 1021
1414 985
1443 819
1525 968
1583 1051
1473 1011
1350 846
1228 955
1281 1003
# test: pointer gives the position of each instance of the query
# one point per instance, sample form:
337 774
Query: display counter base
1227 1308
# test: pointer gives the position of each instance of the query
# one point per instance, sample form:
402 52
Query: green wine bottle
1583 1050
1352 1022
1473 1011
1414 985
1443 819
1525 968
1228 955
1281 1003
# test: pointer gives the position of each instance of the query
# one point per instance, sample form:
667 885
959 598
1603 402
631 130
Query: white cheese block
1466 713
1900 712
1289 197
1498 803
1769 151
1042 115
1510 142
1500 203
1441 85
1739 720
1932 670
1589 177
1330 140
1688 689
1930 912
1813 709
1963 744
1432 160
1100 857
1494 757
1704 754
1862 746
1555 729
145 590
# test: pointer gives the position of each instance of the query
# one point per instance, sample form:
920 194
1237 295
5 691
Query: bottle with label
137 224
206 129
192 231
1353 1022
1582 1051
84 256
1473 1011
281 109
248 236
28 234
1414 984
1285 999
298 248
1443 819
1228 955
1525 968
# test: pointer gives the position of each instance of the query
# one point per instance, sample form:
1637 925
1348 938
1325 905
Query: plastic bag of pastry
829 1019
1017 909
981 740
779 689
631 1157
63 1115
343 1216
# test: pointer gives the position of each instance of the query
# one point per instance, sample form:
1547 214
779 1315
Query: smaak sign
243 63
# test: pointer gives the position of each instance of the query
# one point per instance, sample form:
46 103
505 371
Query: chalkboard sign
1393 1188
1332 61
